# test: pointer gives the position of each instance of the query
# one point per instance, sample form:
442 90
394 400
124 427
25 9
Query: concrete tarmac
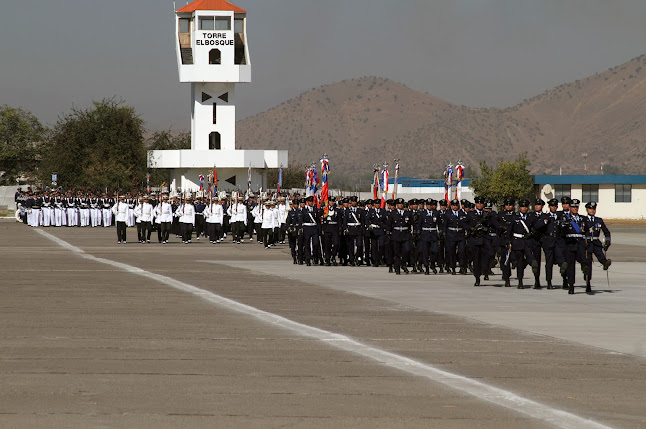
96 343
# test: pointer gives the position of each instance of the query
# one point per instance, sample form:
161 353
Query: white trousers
95 217
72 216
46 213
107 217
33 219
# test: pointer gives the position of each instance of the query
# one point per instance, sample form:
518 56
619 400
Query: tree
510 180
293 177
20 132
97 148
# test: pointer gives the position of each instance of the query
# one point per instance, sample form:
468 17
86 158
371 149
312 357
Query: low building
618 196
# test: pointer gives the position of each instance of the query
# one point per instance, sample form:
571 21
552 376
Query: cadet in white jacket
120 210
164 216
269 221
214 216
238 214
187 220
144 215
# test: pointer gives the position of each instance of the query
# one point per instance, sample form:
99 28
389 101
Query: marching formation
427 236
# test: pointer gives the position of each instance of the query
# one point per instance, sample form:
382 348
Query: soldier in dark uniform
575 244
560 247
504 220
477 223
427 230
441 242
366 233
353 223
454 223
200 222
376 220
389 249
491 239
332 223
538 222
415 251
294 225
551 234
594 226
399 227
519 232
311 224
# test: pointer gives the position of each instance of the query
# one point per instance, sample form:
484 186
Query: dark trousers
199 224
267 236
401 251
523 258
455 253
165 230
536 252
429 249
121 231
378 248
596 251
506 256
237 229
187 231
293 239
480 258
574 252
311 243
330 245
389 252
355 247
144 229
549 261
214 231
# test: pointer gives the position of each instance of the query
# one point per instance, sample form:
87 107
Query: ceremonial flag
249 180
375 183
201 182
325 169
308 181
448 181
396 178
384 186
459 170
280 179
148 183
215 182
315 181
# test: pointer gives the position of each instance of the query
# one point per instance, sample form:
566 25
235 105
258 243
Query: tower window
214 141
215 113
238 25
184 25
222 23
207 23
215 57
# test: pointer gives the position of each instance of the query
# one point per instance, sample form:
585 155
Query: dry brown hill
363 121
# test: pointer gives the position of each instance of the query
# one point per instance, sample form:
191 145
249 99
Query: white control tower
213 56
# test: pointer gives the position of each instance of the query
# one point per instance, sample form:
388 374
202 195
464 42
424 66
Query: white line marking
559 418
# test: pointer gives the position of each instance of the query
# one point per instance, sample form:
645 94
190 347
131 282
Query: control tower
213 56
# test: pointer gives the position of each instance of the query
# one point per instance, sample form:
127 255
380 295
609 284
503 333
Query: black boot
534 267
549 285
328 263
606 264
520 284
507 283
453 271
434 270
463 270
441 269
588 287
428 271
563 268
486 277
405 269
565 285
397 271
294 260
308 263
477 283
414 268
571 290
390 268
537 284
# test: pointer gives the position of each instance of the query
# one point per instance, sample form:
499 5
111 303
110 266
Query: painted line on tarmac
494 395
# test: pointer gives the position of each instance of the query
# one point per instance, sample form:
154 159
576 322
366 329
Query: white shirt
164 212
188 214
214 213
121 211
268 219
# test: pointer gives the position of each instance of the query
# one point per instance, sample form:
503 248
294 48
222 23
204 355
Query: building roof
591 179
211 5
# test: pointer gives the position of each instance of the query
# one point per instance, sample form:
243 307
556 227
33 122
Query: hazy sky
64 53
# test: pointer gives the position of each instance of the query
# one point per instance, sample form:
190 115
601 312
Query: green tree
98 147
293 177
510 180
20 133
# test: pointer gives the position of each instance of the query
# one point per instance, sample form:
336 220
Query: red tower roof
210 5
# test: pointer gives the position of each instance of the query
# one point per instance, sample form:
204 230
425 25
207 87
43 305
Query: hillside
363 121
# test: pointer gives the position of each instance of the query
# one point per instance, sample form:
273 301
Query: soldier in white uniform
238 213
164 214
120 211
187 220
268 224
214 216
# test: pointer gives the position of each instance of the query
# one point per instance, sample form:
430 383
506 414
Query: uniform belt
354 224
36 207
455 229
574 236
309 224
429 229
519 236
200 214
374 226
401 228
332 223
493 234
